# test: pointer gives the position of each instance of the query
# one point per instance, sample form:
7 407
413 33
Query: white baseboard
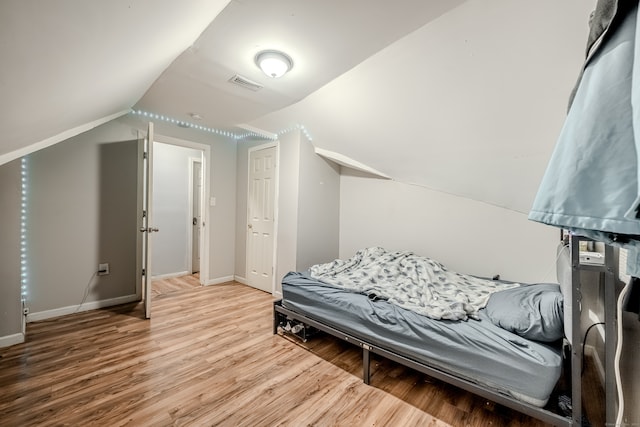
91 305
590 350
171 275
219 280
10 340
276 294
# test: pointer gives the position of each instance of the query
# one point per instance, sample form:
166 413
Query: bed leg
366 366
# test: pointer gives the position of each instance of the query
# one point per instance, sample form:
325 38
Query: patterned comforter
410 281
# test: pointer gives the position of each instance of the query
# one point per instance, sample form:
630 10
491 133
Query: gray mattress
476 350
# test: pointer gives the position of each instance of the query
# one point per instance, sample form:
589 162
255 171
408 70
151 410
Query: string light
234 135
23 232
189 125
299 127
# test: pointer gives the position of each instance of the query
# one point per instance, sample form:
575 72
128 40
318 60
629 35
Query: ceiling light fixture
274 63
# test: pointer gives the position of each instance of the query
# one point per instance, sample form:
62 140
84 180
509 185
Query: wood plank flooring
172 284
208 358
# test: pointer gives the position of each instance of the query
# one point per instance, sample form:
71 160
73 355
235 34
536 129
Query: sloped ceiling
324 38
466 97
69 63
470 104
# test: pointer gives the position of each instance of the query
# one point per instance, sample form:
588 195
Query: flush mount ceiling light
274 63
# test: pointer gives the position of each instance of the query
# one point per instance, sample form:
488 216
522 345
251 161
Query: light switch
212 201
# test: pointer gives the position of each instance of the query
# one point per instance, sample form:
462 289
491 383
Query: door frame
276 197
144 197
140 186
192 162
204 241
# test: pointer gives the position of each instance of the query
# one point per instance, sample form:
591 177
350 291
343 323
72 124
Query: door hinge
144 214
145 155
144 272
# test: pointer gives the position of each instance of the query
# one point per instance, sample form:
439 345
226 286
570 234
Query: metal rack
607 269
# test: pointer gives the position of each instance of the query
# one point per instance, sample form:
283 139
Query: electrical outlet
103 269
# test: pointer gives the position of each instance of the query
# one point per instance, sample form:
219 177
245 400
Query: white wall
171 209
470 104
465 235
288 183
318 208
222 216
10 306
81 212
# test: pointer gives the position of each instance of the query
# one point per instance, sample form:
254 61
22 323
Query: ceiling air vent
245 83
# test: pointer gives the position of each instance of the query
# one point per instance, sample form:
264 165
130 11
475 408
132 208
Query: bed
504 342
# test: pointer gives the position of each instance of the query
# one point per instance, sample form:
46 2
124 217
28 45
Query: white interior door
260 218
147 218
196 227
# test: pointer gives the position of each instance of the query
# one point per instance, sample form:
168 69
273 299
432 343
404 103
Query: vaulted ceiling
461 96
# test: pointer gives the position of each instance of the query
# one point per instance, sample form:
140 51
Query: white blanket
410 281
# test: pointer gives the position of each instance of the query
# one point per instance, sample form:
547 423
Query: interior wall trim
10 340
219 280
240 279
91 305
171 275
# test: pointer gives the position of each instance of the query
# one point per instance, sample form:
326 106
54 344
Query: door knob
250 225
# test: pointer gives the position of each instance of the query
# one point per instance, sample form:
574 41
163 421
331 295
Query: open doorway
179 250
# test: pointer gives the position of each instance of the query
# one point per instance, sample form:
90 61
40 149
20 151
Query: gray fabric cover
534 312
476 350
410 281
591 184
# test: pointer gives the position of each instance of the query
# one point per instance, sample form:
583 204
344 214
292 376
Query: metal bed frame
282 314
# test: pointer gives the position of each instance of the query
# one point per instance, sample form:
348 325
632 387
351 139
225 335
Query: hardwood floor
173 284
208 357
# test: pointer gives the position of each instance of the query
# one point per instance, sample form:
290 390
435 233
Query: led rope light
23 233
294 128
236 136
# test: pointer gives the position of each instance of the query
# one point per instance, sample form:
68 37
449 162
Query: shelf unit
577 349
